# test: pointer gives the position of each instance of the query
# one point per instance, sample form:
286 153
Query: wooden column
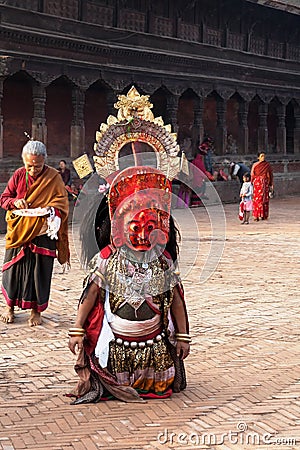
39 127
77 126
172 110
111 99
281 130
221 129
198 122
243 129
297 131
263 128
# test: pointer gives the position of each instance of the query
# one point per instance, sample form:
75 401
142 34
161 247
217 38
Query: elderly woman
262 180
37 231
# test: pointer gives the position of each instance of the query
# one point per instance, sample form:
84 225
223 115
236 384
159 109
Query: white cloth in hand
54 223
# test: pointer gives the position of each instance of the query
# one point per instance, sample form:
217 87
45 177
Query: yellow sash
47 190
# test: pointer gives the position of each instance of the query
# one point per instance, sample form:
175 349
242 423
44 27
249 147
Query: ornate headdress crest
135 122
138 188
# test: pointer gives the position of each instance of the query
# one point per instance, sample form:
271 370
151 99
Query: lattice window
26 4
163 26
275 49
188 32
257 45
102 15
132 20
213 37
236 41
294 52
63 8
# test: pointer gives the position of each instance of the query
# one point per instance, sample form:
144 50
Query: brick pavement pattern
243 372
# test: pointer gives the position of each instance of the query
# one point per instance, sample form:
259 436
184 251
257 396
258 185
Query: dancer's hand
182 349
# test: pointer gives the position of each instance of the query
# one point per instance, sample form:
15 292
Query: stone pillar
263 128
38 126
297 131
243 128
77 126
1 119
172 109
281 130
221 129
198 123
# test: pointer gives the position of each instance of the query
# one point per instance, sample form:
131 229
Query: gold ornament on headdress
82 166
135 122
134 105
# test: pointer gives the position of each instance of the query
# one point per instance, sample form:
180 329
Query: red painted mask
140 230
139 202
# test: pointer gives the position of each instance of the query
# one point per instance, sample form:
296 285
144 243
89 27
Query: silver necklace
136 284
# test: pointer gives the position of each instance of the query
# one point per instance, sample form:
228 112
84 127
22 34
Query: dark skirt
27 273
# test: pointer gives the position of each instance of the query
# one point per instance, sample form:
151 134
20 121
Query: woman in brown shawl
37 231
262 180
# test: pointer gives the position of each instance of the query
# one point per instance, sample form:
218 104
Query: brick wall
17 110
59 113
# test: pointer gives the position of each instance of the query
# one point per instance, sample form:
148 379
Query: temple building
229 69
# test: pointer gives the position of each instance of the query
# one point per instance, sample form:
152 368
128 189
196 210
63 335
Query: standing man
238 170
37 231
206 149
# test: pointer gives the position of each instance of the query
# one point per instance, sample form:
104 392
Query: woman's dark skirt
27 273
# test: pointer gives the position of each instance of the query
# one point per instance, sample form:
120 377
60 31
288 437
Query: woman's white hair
34 148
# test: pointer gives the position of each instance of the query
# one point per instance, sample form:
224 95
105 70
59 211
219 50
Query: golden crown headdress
135 122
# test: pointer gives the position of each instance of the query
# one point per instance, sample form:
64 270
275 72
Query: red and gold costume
132 310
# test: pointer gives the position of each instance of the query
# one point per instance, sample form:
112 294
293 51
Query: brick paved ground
243 371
